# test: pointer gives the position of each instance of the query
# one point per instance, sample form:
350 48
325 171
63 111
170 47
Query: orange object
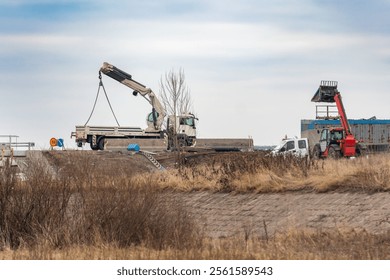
53 142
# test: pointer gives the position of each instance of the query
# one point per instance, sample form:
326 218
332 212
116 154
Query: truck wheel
333 153
317 152
182 142
100 143
94 147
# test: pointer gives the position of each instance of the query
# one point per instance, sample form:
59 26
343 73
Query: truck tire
333 153
100 143
94 147
182 143
92 142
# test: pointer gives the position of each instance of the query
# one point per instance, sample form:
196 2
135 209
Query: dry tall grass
256 172
338 244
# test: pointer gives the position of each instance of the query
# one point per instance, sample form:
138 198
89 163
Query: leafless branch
174 93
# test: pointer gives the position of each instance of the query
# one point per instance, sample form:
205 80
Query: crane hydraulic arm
156 118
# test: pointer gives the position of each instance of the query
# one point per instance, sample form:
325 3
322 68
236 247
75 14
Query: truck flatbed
96 135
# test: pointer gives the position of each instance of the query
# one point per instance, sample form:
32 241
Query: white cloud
198 41
248 76
39 41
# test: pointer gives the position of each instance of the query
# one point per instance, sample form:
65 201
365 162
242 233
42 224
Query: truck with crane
96 136
335 142
180 130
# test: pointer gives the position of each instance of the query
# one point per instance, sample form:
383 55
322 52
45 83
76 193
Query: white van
295 146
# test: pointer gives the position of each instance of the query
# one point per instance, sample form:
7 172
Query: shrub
52 208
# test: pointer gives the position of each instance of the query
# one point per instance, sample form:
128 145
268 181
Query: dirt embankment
229 214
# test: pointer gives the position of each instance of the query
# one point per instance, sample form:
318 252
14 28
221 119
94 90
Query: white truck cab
295 146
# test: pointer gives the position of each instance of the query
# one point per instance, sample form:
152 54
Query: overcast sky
252 65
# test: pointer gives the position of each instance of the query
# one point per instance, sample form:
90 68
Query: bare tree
176 98
175 95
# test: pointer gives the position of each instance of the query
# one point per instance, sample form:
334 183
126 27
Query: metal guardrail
13 143
12 148
27 145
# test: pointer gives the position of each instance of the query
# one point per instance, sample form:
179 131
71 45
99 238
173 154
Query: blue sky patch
41 11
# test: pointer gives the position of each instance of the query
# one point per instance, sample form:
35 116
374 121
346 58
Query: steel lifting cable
97 96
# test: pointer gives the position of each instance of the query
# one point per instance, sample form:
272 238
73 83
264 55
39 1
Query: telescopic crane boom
156 118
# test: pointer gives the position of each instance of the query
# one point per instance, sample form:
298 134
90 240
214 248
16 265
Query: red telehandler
335 142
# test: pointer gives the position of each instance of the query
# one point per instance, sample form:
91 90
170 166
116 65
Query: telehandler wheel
360 150
333 153
317 152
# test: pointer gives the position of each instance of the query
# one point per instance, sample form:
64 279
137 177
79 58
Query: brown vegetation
84 211
81 208
257 172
